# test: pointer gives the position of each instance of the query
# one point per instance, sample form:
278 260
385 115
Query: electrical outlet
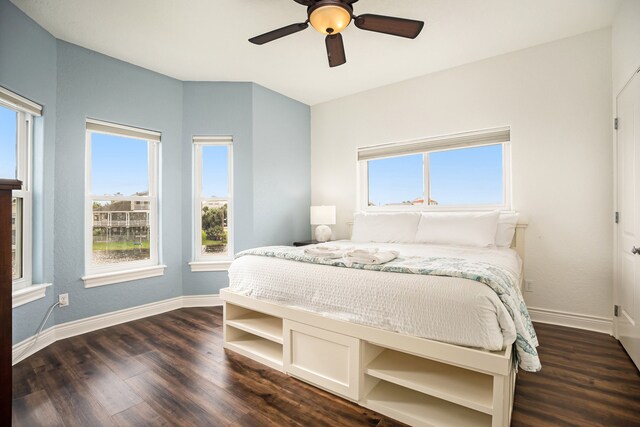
63 300
528 285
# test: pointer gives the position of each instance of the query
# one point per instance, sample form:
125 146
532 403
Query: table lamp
322 216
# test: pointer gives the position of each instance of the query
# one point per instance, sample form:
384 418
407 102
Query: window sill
28 294
102 279
221 265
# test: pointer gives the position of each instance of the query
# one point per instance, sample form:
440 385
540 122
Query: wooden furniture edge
6 313
10 184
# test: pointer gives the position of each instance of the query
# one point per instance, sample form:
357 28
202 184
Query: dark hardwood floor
171 370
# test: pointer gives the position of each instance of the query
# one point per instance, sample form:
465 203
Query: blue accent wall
271 173
271 164
217 109
281 169
92 85
28 67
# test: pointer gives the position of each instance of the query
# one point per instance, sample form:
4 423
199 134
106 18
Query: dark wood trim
10 184
6 276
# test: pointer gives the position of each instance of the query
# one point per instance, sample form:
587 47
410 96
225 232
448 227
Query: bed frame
414 380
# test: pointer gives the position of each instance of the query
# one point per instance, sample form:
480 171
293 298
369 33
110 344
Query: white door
628 229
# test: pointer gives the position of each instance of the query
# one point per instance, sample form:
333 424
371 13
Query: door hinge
615 123
616 310
617 217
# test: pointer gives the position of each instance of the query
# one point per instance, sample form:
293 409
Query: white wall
557 100
625 43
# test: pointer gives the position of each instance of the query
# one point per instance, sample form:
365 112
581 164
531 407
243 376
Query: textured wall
281 169
271 202
96 86
28 67
217 109
557 99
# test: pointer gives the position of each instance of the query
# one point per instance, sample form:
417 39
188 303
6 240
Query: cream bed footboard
414 380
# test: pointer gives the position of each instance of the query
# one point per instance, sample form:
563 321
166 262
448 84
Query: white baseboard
93 323
572 320
201 300
47 338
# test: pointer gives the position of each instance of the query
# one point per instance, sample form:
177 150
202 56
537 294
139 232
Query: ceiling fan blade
335 50
280 32
389 25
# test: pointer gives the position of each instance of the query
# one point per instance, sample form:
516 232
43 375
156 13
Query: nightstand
305 243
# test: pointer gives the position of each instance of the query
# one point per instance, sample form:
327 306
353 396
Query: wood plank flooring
171 370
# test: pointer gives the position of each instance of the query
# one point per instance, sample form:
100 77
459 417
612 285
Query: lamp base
323 233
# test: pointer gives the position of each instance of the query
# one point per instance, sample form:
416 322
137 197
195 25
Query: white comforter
448 309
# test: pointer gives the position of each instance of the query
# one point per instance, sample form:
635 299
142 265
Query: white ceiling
207 39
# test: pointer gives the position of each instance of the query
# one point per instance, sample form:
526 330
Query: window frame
432 145
24 173
130 270
24 290
210 262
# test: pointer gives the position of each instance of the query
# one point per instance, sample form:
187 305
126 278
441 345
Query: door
628 229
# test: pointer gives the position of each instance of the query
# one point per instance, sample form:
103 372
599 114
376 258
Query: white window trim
126 271
19 103
29 294
445 143
94 280
210 262
23 290
210 265
25 110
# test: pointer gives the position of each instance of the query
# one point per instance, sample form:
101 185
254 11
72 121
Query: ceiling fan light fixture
330 18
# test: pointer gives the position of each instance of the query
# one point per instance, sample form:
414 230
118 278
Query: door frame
614 324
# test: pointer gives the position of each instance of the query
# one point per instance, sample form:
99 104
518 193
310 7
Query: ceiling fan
330 17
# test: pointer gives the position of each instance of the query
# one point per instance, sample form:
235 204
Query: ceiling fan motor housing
330 16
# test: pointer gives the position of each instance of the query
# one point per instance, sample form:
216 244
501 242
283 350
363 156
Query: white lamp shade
323 215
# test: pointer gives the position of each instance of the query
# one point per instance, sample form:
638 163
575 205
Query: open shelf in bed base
414 380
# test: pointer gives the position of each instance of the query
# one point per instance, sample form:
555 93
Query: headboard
518 238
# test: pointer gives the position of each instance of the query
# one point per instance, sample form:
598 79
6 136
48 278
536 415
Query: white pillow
458 228
398 227
506 229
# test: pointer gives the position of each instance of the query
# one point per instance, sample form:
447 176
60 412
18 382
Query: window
16 130
213 203
121 204
463 171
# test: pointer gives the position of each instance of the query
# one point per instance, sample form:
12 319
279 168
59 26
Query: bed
374 337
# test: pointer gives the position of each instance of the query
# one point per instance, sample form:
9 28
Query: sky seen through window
8 121
465 176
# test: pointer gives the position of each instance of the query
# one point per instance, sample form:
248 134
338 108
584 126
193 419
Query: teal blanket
501 280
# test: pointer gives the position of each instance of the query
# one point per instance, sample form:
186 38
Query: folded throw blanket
325 251
369 256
